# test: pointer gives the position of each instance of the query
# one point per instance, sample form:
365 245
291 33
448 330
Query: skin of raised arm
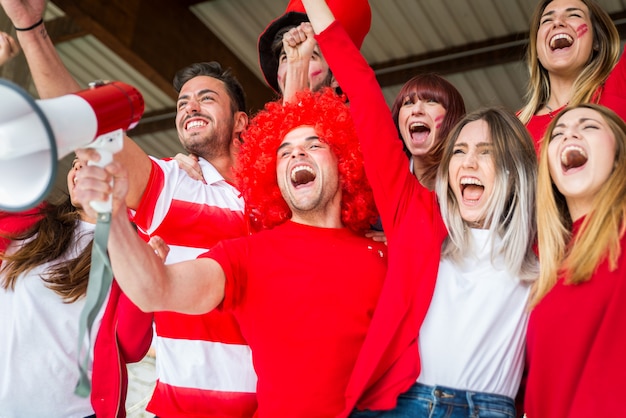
191 287
49 74
52 79
319 14
298 48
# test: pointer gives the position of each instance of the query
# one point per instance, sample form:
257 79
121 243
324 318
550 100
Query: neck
578 208
317 218
560 91
224 165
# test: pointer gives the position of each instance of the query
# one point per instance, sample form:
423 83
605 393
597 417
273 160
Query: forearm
49 74
139 271
190 287
296 78
319 14
139 166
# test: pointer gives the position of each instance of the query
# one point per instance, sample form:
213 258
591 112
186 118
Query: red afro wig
328 114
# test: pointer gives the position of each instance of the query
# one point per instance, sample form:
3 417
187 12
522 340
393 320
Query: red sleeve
231 255
613 94
386 163
145 211
134 330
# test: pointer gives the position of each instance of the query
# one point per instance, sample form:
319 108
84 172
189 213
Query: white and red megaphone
35 134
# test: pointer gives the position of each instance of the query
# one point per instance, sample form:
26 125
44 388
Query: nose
298 151
558 20
469 161
417 108
192 106
571 133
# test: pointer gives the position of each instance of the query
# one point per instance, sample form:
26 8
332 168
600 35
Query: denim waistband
474 401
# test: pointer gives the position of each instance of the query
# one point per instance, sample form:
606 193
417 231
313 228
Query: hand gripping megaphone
35 134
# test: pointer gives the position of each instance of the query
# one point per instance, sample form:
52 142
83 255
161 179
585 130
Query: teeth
417 125
471 180
573 156
296 170
195 124
555 38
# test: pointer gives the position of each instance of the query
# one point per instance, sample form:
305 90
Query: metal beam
158 37
495 51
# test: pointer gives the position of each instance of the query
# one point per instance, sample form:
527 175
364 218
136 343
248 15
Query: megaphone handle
103 206
106 145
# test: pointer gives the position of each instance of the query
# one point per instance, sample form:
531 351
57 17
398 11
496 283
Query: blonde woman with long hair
572 58
577 329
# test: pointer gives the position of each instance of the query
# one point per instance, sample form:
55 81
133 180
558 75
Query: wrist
31 27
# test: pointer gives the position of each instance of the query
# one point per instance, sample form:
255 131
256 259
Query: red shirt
576 347
304 298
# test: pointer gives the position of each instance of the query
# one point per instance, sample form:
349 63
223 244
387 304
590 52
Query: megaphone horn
35 134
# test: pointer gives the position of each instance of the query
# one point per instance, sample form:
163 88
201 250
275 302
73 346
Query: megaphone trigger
106 145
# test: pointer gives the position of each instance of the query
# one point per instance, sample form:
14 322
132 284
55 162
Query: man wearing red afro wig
302 291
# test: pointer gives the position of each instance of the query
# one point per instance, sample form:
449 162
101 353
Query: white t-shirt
474 333
39 347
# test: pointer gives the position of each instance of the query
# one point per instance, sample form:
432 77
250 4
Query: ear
241 123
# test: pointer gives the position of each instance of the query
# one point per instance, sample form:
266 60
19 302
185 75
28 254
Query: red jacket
389 362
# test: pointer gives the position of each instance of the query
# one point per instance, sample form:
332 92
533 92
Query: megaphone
35 134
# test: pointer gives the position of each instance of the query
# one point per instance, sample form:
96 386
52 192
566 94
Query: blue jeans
442 402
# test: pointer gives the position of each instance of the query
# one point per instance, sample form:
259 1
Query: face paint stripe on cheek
582 30
439 121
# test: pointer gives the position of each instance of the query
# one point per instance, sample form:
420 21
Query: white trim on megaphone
35 134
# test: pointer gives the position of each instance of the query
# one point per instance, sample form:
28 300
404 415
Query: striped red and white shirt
204 365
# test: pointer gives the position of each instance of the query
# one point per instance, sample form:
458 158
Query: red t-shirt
576 348
304 298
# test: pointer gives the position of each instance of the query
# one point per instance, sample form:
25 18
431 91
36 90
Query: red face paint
439 121
316 73
582 30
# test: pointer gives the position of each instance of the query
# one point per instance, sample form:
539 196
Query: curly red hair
256 167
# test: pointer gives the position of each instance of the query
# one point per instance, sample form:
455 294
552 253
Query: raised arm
298 46
386 164
50 76
52 79
319 14
191 287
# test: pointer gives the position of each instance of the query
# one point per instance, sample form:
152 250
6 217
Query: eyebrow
581 120
569 9
200 93
478 145
308 138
